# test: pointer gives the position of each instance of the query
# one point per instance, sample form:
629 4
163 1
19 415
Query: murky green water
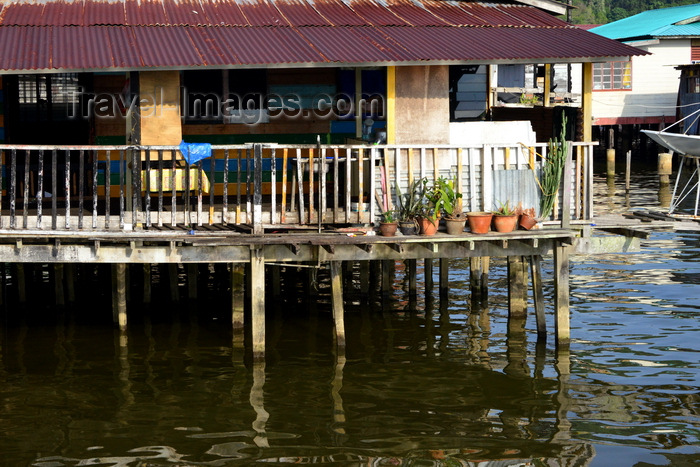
421 383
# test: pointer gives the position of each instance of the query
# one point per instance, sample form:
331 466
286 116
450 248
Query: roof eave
550 6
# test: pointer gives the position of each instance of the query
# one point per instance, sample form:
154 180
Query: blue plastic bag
195 152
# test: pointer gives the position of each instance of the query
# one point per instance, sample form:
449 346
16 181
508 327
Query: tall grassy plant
552 170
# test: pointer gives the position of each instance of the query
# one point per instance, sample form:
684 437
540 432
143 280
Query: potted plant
505 219
433 200
388 224
479 221
527 219
451 201
409 207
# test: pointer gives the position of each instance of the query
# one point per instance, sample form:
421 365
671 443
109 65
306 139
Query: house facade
644 90
290 71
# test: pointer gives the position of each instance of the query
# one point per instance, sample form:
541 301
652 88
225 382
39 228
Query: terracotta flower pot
428 226
505 223
479 222
455 226
527 221
388 229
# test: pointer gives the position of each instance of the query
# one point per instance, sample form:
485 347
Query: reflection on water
421 383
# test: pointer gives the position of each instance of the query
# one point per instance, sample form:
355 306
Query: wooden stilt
428 273
192 272
444 277
120 270
147 283
70 282
237 302
58 284
538 296
172 275
561 296
485 263
115 301
475 277
257 302
411 266
21 284
387 277
337 302
364 278
517 287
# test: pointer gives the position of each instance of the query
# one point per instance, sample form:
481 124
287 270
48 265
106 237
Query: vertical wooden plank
361 184
147 194
257 305
577 189
561 296
372 182
487 178
239 174
337 302
94 189
283 208
40 193
391 104
224 206
506 158
348 183
475 276
273 186
159 217
3 161
312 162
538 295
485 265
248 191
200 174
321 185
336 186
212 175
460 173
409 165
566 194
257 194
81 187
300 177
173 190
108 186
387 166
25 203
436 165
66 184
473 192
54 188
13 187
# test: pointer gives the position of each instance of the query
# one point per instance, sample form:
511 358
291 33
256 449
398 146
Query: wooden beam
257 303
337 302
391 105
587 102
561 296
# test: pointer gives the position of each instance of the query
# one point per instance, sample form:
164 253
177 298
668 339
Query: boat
688 145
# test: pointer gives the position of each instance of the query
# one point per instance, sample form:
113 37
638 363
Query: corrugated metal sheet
109 34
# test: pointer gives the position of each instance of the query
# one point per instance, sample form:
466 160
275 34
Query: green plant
529 99
449 197
505 209
552 170
388 216
409 204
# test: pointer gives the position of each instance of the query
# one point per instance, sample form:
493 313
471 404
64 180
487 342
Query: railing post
257 189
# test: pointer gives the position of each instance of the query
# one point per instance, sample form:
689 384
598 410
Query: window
612 76
225 96
693 85
47 97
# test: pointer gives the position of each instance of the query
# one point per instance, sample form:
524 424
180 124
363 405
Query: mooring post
120 312
538 296
665 167
257 302
561 297
517 287
444 277
337 302
237 303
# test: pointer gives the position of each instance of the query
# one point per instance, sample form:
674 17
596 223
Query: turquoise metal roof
654 23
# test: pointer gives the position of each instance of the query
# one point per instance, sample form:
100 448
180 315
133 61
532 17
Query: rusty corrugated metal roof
56 35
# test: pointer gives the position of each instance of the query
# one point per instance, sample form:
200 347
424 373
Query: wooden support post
364 279
237 303
485 262
665 167
428 273
21 284
628 169
257 188
172 275
120 312
70 282
538 296
257 302
192 272
387 277
611 163
561 294
337 302
444 277
475 276
58 284
147 283
517 287
412 282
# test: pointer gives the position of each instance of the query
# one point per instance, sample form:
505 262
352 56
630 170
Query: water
420 384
